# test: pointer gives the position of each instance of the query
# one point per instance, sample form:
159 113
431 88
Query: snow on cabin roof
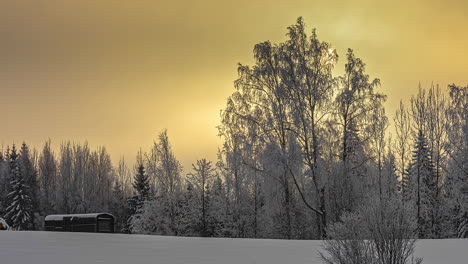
60 217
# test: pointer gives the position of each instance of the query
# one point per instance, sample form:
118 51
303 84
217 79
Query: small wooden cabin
97 222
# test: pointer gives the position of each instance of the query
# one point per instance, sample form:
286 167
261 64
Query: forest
302 148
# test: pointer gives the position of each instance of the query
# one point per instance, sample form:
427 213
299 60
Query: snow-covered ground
83 248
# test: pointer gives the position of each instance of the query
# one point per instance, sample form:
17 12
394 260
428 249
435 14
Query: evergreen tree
420 188
135 203
19 211
141 183
29 174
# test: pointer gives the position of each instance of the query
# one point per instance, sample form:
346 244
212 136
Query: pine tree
19 211
141 183
420 187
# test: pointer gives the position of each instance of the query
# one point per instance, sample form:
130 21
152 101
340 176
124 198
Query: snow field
83 248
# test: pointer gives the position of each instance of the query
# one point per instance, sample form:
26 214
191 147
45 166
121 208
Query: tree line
302 147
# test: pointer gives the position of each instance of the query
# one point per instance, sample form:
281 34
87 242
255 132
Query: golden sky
118 72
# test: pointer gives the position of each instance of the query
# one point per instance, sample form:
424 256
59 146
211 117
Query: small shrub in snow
150 219
379 233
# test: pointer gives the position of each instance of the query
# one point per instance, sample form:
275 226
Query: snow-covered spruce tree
135 203
420 188
141 183
28 172
379 232
19 211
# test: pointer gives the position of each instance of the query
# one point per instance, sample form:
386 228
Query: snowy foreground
83 248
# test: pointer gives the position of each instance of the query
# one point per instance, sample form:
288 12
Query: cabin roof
60 217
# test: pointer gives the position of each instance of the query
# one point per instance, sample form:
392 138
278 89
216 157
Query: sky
116 73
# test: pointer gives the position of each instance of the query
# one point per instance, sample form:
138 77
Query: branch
302 194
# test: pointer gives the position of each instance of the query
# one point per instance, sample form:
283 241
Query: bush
378 233
149 219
